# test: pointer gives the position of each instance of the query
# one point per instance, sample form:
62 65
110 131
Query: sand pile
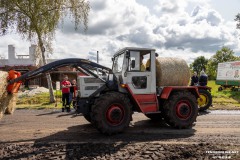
33 92
7 101
172 72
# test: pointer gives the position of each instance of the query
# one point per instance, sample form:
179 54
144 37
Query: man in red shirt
65 93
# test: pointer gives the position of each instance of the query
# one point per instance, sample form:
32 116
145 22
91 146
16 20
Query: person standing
203 79
194 79
72 94
148 64
65 93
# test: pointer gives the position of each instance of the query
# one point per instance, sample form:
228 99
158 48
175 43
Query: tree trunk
50 86
49 80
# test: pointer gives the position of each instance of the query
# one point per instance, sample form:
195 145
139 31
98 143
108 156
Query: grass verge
224 100
39 101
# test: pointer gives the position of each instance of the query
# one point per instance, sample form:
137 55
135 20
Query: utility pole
97 57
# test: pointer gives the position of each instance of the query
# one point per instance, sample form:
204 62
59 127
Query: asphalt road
27 134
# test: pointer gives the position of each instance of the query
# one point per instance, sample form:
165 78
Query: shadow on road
48 113
85 141
63 114
204 113
140 131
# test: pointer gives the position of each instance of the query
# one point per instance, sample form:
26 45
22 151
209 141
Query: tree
223 55
199 64
238 20
37 21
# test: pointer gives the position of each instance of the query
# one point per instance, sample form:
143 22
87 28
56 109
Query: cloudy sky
175 28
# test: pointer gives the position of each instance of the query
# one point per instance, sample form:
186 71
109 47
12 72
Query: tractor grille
91 87
92 80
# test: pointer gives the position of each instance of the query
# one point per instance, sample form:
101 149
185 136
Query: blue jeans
65 100
70 97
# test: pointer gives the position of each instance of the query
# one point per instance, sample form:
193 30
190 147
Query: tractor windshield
118 63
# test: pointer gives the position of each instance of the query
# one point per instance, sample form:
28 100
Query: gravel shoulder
51 134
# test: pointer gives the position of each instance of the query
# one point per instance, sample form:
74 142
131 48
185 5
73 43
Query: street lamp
97 57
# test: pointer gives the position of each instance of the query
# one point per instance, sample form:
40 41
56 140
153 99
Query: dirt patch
117 151
228 106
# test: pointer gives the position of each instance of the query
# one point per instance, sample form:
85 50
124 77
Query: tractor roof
133 49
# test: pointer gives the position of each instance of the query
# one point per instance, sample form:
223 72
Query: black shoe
62 109
68 109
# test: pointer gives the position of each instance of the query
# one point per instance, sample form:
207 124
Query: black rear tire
206 98
111 113
181 110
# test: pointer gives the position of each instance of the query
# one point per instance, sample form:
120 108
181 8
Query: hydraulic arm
15 78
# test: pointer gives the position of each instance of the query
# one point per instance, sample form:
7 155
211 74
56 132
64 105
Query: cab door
142 81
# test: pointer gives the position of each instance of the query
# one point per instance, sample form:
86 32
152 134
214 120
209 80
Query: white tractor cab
138 80
107 98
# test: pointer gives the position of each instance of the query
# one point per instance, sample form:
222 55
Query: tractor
205 98
107 98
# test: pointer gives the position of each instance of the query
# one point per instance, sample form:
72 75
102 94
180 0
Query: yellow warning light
123 85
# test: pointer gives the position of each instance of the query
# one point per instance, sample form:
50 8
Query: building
19 60
29 62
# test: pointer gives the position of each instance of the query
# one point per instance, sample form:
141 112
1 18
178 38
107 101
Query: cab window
118 63
139 82
141 61
134 58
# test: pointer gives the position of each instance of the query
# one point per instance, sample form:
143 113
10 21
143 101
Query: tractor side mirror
133 64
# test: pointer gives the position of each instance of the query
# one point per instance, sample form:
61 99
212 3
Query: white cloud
22 46
166 25
183 54
211 16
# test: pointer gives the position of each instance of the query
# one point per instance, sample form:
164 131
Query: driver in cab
143 68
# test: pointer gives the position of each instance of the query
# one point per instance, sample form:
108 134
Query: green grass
225 99
39 101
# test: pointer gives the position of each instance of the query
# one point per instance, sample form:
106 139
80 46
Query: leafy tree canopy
238 20
199 64
223 55
38 19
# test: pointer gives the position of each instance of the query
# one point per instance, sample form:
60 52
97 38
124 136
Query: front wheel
181 110
204 100
111 113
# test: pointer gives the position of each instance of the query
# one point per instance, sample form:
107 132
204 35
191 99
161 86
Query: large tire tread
169 111
98 117
209 96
